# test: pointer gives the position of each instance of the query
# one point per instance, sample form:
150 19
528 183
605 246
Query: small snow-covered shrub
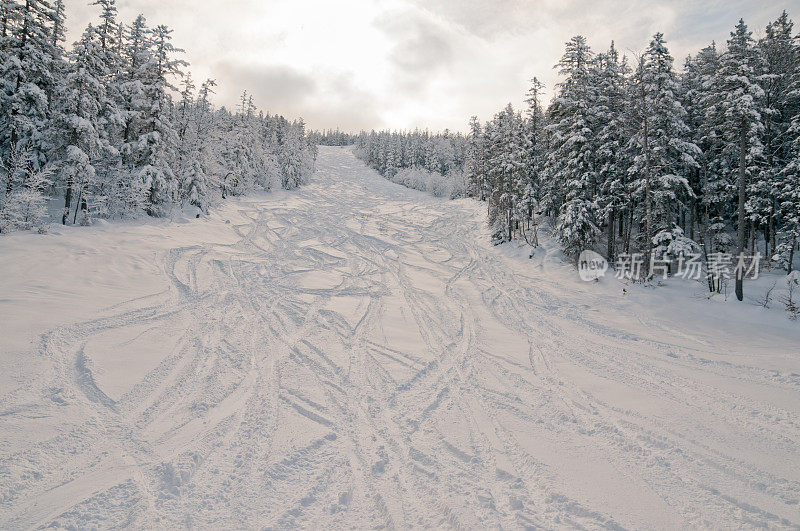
792 283
576 226
499 230
24 209
438 185
459 183
127 195
451 185
783 252
413 178
672 242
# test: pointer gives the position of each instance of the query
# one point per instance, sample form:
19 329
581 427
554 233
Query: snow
355 353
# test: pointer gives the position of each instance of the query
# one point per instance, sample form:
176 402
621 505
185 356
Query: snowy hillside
357 354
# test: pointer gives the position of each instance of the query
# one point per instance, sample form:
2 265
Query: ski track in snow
360 357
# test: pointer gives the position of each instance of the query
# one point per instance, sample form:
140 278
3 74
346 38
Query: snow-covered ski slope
357 354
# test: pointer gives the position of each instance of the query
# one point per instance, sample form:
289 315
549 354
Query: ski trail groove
361 357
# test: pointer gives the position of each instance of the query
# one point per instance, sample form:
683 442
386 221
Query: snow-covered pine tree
475 164
789 201
81 140
158 140
571 164
734 107
536 135
788 185
779 51
614 195
26 80
192 180
664 151
134 54
506 155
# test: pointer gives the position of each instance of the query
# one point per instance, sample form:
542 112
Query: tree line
431 162
331 137
388 152
114 126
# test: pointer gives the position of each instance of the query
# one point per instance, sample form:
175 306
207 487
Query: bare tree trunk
773 244
703 226
629 232
768 231
610 253
741 242
648 201
67 201
77 205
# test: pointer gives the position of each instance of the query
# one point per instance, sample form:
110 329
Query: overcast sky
412 63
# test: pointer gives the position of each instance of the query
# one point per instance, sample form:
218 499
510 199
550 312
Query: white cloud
412 63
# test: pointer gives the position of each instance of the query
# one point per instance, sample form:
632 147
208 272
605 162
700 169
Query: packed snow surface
357 354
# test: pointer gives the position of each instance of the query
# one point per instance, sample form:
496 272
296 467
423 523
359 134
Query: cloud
484 19
341 103
325 101
278 88
413 63
421 49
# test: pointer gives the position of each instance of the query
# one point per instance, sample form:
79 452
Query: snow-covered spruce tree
507 172
536 136
158 139
108 29
613 192
734 107
781 60
709 184
82 143
475 163
694 85
241 151
571 164
58 61
789 204
191 168
663 149
290 155
712 180
28 50
788 182
24 208
133 101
